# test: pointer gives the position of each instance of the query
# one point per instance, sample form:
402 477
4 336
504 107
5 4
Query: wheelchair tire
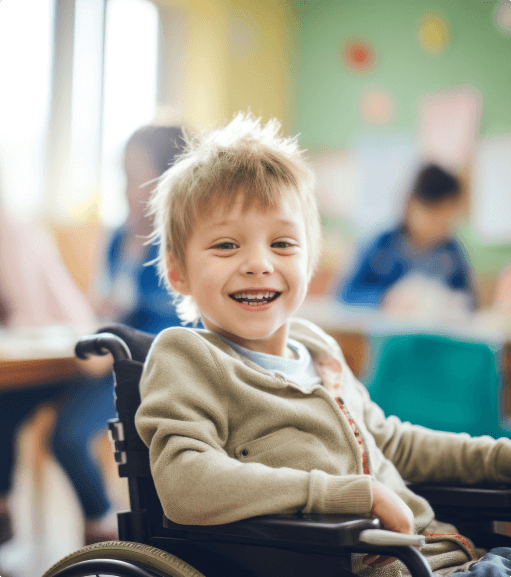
136 553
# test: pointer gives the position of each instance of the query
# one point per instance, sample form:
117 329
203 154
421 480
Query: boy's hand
394 514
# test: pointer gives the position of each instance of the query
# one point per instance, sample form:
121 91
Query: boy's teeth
254 297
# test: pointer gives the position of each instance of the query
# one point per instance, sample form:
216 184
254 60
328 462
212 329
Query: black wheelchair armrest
485 502
296 530
320 534
481 497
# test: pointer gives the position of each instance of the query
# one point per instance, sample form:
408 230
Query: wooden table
39 355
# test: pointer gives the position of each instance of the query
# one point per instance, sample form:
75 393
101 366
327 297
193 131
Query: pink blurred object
34 282
503 292
449 124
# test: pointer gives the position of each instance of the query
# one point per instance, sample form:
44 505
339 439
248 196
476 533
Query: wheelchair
297 545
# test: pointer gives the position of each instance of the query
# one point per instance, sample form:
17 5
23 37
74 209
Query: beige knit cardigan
230 440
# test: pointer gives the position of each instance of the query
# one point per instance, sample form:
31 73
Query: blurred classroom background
375 90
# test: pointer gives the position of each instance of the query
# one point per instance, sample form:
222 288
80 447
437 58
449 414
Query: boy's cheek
208 298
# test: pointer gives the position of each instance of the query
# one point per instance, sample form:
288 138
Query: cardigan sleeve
424 455
183 418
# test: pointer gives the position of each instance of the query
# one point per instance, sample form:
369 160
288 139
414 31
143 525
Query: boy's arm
183 418
425 455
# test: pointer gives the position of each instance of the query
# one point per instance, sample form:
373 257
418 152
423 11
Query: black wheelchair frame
269 546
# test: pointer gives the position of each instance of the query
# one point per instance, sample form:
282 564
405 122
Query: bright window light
26 46
85 117
129 92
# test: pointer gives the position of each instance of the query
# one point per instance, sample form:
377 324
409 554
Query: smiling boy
248 274
258 413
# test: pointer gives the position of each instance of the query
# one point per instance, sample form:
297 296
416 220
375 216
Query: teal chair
438 382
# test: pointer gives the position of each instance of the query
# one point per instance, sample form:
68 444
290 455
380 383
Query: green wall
479 53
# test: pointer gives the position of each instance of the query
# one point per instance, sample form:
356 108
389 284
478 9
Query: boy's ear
176 278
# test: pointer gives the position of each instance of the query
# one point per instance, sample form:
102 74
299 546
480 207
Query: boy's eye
232 246
226 246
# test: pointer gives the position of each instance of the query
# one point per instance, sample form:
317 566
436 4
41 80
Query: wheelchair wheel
134 555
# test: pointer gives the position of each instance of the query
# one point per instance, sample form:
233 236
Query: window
63 162
85 160
25 70
100 129
129 93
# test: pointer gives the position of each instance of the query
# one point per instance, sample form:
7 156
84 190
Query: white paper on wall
335 177
448 125
491 190
385 168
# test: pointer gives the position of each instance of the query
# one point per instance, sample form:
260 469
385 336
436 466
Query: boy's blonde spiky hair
242 157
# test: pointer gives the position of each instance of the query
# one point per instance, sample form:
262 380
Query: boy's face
233 257
429 225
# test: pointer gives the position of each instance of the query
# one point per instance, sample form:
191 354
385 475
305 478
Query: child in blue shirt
422 245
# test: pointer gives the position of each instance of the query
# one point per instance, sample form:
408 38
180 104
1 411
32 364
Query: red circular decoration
358 55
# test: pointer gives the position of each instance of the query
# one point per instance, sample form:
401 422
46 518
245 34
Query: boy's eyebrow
227 222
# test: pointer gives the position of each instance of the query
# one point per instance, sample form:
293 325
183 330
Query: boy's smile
254 299
247 272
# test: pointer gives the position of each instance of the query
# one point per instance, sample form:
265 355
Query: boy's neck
275 345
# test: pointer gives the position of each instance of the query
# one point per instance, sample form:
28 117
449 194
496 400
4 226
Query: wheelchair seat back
145 517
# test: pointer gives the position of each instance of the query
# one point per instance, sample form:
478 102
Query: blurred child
258 413
421 254
37 290
129 289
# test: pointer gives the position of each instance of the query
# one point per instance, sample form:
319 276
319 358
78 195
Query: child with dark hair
422 245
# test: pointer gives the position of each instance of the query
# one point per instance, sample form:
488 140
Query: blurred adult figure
418 259
37 290
129 289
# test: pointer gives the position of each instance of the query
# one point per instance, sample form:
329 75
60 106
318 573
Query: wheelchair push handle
382 537
102 344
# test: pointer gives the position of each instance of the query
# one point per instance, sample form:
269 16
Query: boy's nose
257 262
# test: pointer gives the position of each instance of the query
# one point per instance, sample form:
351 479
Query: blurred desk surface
39 355
332 316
